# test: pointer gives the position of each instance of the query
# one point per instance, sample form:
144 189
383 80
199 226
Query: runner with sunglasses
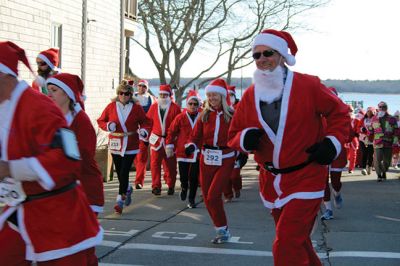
178 135
126 121
279 119
47 62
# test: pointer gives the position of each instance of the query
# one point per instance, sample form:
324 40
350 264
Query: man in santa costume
47 62
145 100
279 118
47 218
162 114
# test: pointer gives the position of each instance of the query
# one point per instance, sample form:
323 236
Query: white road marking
120 233
245 252
387 218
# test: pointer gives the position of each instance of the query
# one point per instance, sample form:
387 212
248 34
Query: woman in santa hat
47 219
210 135
366 141
179 133
126 121
66 91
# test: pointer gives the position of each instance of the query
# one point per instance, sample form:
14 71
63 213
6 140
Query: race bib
11 192
153 139
213 157
115 144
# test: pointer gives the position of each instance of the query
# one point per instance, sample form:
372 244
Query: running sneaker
138 186
369 168
191 204
338 201
364 171
328 215
128 199
119 206
171 191
223 235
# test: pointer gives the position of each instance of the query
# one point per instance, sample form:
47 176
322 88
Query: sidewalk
162 230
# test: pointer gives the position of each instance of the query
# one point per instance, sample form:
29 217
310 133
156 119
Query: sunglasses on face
266 53
41 63
382 107
194 104
127 93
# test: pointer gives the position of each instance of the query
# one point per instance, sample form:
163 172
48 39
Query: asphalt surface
161 230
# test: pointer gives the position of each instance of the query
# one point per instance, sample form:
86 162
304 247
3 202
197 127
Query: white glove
169 151
112 126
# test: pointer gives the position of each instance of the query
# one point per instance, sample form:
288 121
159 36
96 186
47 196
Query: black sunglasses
41 63
266 53
195 104
128 93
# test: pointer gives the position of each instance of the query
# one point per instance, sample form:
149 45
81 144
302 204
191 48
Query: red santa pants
352 154
169 165
335 182
213 180
141 163
234 183
294 222
12 252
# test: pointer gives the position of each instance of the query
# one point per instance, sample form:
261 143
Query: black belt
215 147
51 193
270 168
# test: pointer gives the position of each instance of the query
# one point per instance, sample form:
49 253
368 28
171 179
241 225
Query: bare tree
174 30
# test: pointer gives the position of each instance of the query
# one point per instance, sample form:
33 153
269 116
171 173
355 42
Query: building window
56 39
131 9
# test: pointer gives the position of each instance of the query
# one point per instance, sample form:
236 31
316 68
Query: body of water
393 100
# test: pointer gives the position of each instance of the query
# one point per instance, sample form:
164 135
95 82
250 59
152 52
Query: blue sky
350 39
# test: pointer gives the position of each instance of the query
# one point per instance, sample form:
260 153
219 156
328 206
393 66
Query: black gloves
190 149
323 152
252 139
242 159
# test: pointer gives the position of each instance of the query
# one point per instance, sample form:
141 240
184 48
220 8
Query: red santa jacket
304 100
126 135
160 128
52 226
90 177
213 133
179 132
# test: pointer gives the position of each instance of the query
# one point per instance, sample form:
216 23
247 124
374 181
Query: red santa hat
372 109
280 41
193 94
50 57
231 90
71 84
219 86
165 88
10 54
143 82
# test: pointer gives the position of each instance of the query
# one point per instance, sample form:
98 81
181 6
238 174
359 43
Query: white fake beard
143 99
269 84
164 102
381 114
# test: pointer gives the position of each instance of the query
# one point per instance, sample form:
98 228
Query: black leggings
123 165
367 154
189 177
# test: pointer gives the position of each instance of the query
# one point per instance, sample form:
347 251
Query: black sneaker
384 176
191 204
183 194
171 191
156 191
138 186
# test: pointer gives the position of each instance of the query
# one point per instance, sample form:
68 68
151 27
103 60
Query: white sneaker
364 171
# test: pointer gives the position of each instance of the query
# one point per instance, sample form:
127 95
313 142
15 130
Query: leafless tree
174 30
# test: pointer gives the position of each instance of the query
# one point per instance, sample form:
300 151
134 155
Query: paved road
163 231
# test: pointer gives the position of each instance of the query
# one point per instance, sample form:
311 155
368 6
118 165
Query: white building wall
103 54
28 24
